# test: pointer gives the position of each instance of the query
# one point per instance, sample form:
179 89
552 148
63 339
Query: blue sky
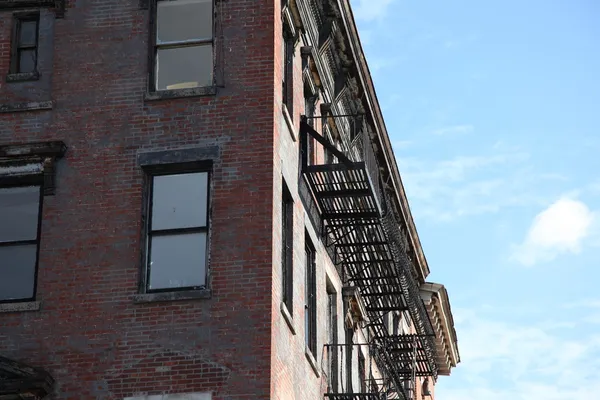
494 111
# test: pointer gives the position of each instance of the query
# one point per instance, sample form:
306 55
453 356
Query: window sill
172 296
181 93
289 122
23 77
287 317
29 106
20 307
312 361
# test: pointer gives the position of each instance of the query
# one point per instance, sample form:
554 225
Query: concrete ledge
20 307
23 77
172 296
174 156
287 317
180 93
11 4
177 396
312 361
29 106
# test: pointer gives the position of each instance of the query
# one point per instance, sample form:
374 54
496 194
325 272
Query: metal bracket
306 128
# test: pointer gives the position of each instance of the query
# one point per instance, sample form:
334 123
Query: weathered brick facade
89 327
96 342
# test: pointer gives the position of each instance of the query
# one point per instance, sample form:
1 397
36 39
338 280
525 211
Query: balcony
408 355
355 217
359 372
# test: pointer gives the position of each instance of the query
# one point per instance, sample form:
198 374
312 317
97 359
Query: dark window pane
178 261
182 20
284 56
17 271
287 242
19 208
27 60
179 201
28 33
184 67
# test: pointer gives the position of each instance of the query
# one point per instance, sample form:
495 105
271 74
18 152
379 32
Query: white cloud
455 169
589 307
454 130
377 64
451 43
401 144
586 304
594 188
444 190
560 228
508 360
369 10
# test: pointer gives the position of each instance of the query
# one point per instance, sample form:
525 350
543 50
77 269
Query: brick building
199 200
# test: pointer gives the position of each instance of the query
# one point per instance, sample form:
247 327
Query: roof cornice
436 298
382 134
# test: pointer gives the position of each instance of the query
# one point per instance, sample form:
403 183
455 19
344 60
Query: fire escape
346 202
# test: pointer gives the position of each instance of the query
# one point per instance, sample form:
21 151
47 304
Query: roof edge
381 130
437 294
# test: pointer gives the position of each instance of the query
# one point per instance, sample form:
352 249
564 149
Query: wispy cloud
589 307
537 361
443 190
561 228
454 130
454 42
369 10
594 188
401 144
586 303
377 64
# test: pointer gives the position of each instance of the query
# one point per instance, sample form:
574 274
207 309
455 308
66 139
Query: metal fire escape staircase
364 240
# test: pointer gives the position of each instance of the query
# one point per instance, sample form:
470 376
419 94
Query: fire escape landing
355 217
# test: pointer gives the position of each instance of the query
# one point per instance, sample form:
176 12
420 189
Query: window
386 323
288 70
20 213
310 315
287 245
25 44
329 157
332 337
362 372
183 44
396 324
310 102
177 231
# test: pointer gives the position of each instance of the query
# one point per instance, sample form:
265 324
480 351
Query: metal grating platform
343 191
353 396
406 351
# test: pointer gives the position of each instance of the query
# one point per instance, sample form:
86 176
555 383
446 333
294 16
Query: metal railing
363 146
410 287
398 243
360 370
361 150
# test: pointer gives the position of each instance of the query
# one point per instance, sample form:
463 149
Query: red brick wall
89 333
292 376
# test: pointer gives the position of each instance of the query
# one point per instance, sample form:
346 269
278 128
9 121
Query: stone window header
21 162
